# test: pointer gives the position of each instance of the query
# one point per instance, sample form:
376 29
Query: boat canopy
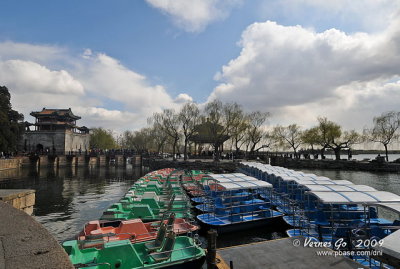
322 182
391 206
354 197
245 185
391 246
341 188
237 177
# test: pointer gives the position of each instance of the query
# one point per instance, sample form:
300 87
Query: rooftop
55 113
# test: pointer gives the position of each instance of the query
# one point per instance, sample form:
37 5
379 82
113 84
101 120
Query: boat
328 211
147 209
235 203
97 232
151 197
173 252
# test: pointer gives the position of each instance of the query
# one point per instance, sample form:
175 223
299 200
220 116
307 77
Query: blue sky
117 62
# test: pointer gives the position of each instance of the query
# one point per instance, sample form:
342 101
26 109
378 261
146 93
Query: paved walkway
24 243
281 254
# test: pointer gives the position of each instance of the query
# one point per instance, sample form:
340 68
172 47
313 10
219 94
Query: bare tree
290 136
254 128
188 118
238 127
159 138
168 122
346 140
219 119
330 135
385 130
310 137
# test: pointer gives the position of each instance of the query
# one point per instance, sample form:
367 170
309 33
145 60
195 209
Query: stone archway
39 148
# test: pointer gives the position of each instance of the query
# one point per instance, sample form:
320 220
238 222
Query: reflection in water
380 181
67 198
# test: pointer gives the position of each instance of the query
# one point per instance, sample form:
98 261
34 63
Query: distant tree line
171 131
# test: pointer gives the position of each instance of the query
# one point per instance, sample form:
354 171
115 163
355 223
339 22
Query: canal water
67 198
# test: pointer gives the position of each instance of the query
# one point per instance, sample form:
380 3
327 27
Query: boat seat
166 250
396 226
99 235
170 221
157 243
107 213
235 218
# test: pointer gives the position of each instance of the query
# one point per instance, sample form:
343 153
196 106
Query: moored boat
173 252
95 233
235 203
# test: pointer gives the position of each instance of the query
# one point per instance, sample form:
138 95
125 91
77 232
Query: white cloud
195 15
30 76
96 86
183 98
30 52
105 76
299 74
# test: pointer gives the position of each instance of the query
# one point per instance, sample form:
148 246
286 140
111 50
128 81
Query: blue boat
237 202
329 211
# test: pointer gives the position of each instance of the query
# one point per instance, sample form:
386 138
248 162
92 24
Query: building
55 132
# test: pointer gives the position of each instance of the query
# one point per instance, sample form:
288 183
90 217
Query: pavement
281 254
25 243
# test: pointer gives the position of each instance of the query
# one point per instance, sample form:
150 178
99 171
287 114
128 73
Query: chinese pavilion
55 131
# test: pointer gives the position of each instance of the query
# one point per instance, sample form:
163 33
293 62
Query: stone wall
9 163
63 141
20 199
333 164
216 167
46 139
75 142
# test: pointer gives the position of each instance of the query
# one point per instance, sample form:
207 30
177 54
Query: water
67 198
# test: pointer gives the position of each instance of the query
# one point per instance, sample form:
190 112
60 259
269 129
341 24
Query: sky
115 63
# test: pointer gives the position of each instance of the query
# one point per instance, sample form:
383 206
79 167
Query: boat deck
280 253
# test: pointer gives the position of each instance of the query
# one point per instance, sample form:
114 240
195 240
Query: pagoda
55 132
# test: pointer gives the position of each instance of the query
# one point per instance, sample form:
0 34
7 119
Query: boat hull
193 264
239 226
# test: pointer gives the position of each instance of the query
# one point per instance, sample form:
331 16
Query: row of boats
149 227
329 211
154 225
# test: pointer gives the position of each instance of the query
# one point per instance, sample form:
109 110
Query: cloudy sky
116 62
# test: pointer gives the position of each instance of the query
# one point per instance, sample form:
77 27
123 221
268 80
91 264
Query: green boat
172 252
147 209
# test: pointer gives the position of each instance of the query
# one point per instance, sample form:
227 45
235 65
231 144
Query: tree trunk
185 150
386 152
216 152
173 149
337 153
322 153
295 153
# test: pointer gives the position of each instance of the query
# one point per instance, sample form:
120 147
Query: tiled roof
55 112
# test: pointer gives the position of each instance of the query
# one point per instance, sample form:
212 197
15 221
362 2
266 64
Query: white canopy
391 206
340 188
391 246
355 197
238 181
322 182
245 185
